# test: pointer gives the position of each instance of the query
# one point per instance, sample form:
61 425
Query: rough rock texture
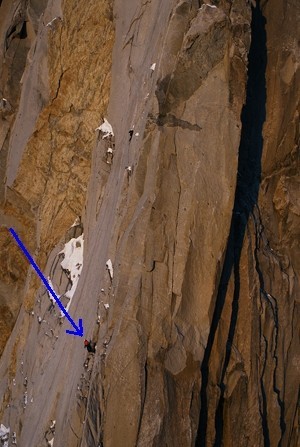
46 153
198 211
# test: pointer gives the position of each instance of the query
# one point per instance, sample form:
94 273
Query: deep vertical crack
248 181
264 413
272 303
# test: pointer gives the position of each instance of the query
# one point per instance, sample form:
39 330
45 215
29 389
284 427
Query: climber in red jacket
90 346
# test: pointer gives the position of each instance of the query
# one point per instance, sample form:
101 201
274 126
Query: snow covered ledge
72 263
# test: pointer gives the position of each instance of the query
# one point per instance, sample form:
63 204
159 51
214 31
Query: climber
130 134
90 346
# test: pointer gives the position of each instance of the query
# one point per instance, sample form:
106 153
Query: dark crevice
143 399
263 408
263 403
23 31
272 303
248 181
59 85
264 417
16 31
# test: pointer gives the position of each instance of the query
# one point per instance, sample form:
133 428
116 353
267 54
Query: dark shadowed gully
248 181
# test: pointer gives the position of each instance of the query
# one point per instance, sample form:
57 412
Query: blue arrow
78 329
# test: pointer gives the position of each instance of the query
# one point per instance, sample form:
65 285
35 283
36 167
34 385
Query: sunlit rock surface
163 137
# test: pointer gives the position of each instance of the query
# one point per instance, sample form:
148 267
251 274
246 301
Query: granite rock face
186 209
49 131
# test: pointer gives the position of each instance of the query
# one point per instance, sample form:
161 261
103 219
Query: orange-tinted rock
196 208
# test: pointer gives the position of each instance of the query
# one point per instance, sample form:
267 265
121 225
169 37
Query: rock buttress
165 227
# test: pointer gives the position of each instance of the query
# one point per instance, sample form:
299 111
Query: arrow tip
78 329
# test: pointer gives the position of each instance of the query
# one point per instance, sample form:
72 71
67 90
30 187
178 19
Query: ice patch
49 24
4 435
49 294
206 4
110 269
76 222
72 262
25 399
106 129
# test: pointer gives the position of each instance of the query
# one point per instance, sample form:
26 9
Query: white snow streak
49 294
110 269
52 21
4 435
72 262
206 4
106 129
76 222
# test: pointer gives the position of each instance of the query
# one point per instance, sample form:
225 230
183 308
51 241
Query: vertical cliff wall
186 211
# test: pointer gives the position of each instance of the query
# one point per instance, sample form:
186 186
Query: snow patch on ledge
76 222
110 269
208 5
4 435
106 129
72 263
49 294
